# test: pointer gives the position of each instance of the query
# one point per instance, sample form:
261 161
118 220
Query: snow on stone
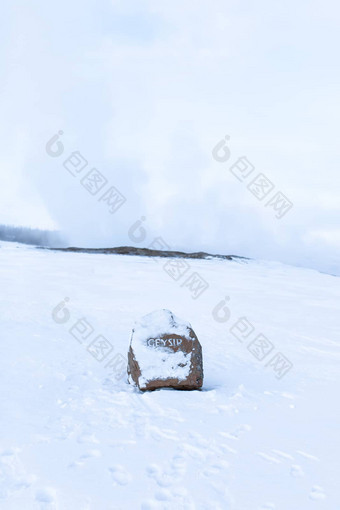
154 324
160 363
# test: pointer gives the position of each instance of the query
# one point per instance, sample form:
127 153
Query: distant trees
27 235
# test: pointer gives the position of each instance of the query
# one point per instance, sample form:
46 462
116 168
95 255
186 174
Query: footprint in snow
177 498
120 474
179 463
150 505
216 468
163 495
268 458
317 493
167 478
296 471
283 455
238 433
307 455
158 434
91 454
227 449
13 475
47 498
85 457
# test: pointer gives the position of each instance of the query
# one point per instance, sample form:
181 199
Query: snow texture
72 435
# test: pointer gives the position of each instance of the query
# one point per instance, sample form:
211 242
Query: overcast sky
145 90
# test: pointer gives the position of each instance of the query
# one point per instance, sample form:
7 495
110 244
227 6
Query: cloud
144 90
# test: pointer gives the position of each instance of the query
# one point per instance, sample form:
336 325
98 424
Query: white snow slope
72 436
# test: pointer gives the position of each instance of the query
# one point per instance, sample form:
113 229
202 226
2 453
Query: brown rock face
164 353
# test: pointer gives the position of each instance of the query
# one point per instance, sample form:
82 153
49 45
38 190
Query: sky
143 92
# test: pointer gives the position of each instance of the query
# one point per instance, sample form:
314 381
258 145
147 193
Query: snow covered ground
75 436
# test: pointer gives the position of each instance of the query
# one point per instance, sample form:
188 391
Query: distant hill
146 252
52 240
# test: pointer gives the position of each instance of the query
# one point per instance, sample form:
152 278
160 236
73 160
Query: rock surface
164 353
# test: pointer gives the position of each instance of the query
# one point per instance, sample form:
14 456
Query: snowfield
75 435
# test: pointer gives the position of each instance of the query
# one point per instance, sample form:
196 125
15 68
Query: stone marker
164 353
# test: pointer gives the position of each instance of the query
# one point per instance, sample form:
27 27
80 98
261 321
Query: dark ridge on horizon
146 252
52 240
